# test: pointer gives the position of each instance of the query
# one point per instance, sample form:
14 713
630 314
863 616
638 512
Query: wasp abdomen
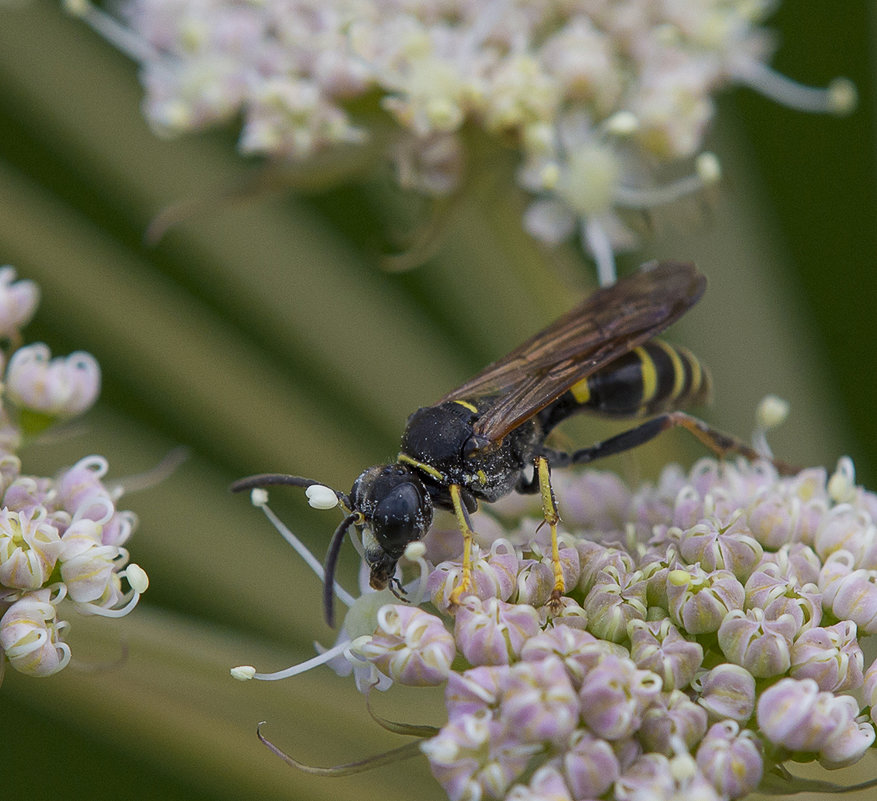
650 379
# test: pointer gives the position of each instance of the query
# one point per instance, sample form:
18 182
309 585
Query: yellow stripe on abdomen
581 391
678 367
649 374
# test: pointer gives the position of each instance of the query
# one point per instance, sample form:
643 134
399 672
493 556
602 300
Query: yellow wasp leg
549 512
465 587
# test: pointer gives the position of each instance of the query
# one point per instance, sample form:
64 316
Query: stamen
839 97
309 559
88 508
33 643
621 123
707 172
414 552
137 578
772 411
116 34
101 611
155 475
842 484
242 672
596 240
321 497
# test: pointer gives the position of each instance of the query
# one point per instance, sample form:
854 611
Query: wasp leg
549 512
717 441
395 586
465 587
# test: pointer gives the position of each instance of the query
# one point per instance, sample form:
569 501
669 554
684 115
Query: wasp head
396 509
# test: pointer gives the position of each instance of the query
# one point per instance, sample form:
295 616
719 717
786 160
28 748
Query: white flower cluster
61 537
714 626
598 97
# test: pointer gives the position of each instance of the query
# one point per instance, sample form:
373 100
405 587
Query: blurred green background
266 336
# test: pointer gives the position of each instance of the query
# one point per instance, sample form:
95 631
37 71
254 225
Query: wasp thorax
437 435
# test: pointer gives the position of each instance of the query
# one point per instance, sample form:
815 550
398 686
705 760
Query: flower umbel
61 537
606 104
722 676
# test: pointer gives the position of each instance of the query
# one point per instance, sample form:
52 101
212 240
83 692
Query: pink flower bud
18 302
698 601
474 756
81 491
731 759
410 646
727 691
546 784
848 745
658 646
760 645
848 528
474 690
590 766
795 561
538 701
655 565
717 545
870 689
494 573
29 549
614 696
654 776
776 595
794 713
535 582
28 494
596 500
851 594
79 537
579 650
831 656
781 517
62 387
595 558
119 528
615 599
673 721
493 632
649 777
30 636
689 508
89 575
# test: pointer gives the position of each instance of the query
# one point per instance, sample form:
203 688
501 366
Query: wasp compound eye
402 516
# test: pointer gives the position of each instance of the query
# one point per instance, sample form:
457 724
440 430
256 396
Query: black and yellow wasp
481 439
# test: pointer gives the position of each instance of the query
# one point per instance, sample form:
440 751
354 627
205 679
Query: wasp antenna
283 479
271 480
329 567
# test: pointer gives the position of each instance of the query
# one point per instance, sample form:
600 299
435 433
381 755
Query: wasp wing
606 325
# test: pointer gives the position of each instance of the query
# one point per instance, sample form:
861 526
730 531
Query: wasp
486 438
